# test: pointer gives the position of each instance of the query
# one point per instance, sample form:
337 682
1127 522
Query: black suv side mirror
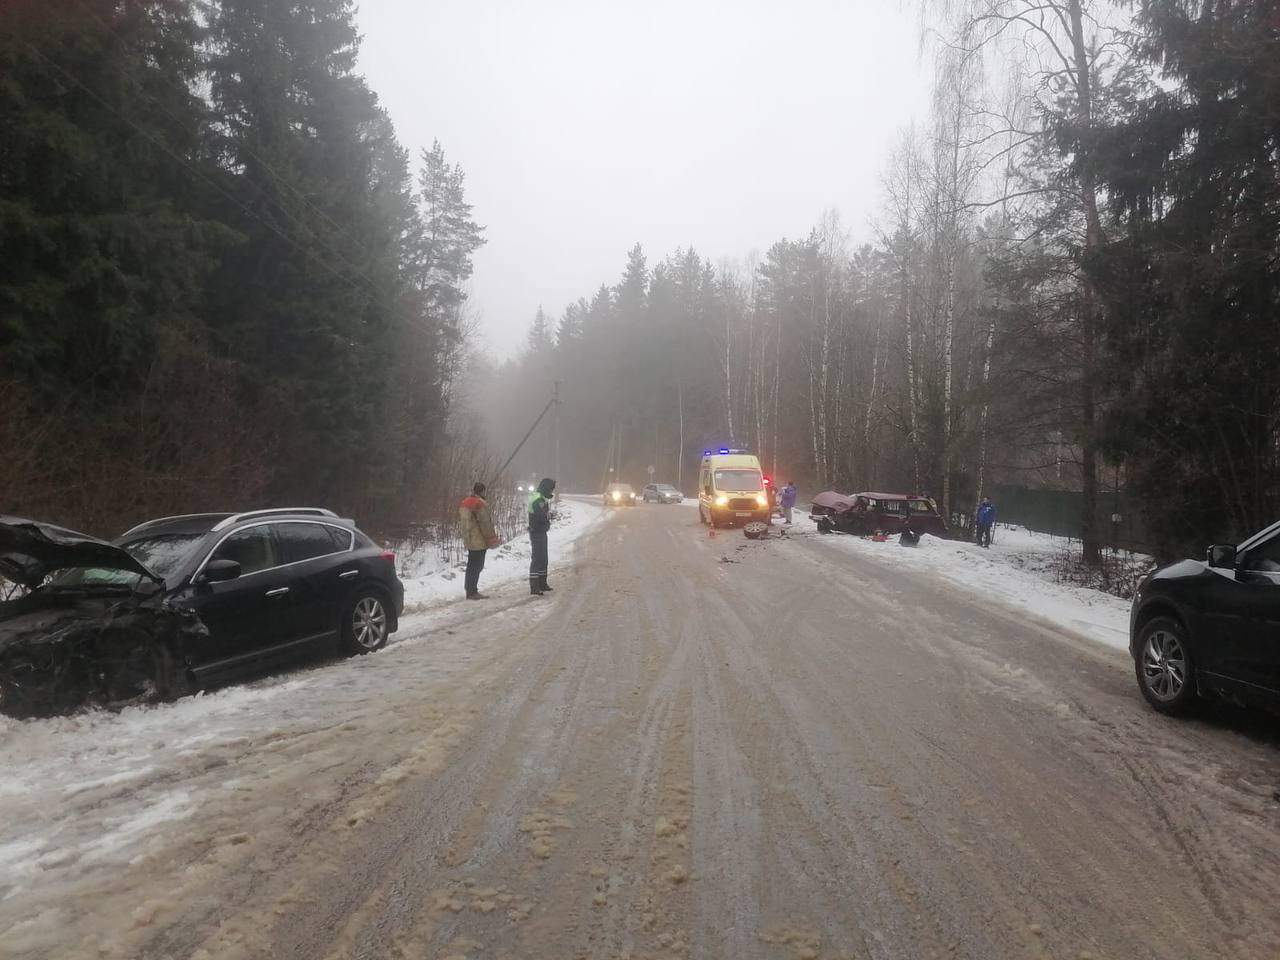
1222 556
217 571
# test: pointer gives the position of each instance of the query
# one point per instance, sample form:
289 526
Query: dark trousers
984 534
475 563
538 563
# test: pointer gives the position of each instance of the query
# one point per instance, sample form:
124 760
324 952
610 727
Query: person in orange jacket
475 523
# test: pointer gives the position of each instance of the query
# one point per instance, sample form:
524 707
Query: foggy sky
584 127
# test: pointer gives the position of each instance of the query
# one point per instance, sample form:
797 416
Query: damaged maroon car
867 514
183 602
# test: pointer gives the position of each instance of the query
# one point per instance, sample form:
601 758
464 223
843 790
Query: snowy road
798 753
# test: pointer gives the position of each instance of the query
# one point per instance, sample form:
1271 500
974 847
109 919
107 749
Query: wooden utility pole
555 399
680 448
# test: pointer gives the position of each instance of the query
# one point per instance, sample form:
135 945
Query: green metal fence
1059 512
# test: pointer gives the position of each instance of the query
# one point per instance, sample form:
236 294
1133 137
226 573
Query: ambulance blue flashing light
706 453
724 450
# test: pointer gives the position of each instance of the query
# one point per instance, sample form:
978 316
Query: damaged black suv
183 602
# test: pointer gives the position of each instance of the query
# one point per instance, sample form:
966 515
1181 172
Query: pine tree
538 343
1193 285
570 329
431 342
306 302
104 249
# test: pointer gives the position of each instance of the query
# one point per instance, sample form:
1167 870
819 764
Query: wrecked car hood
30 551
835 502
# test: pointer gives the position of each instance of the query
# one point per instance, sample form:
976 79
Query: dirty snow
1016 571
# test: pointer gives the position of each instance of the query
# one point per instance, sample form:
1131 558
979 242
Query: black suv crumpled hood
30 551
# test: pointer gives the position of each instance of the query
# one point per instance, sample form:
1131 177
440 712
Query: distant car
182 602
1211 628
660 493
619 495
869 513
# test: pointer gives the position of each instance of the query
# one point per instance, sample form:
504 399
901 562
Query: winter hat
545 486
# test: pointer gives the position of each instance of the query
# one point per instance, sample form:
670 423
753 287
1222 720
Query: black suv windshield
161 554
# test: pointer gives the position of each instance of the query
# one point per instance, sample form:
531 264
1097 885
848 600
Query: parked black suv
1211 628
183 602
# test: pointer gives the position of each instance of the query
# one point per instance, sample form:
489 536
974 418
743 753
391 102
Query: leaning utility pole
555 399
608 460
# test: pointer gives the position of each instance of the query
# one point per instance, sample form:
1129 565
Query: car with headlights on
1211 628
619 495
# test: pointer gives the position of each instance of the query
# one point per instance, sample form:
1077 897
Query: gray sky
585 126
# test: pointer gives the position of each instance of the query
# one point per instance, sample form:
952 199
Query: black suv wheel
1164 667
366 623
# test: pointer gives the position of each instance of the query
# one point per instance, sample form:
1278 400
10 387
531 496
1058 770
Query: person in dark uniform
985 518
539 524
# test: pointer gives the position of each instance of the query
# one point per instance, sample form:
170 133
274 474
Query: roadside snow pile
1020 569
60 772
429 581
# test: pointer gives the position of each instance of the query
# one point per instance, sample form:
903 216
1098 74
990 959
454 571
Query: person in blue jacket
788 500
985 517
539 524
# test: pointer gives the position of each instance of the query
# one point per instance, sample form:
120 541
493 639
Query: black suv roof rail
181 516
275 512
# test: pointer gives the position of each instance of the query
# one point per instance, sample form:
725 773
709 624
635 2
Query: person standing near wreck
788 501
985 518
539 524
475 522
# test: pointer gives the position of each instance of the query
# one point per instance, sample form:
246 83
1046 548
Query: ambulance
731 489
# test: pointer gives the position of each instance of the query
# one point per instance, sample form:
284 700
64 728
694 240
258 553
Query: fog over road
796 753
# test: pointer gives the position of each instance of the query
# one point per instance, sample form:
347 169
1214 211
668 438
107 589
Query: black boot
542 582
535 588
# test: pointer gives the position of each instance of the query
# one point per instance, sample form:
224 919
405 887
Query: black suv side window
254 548
304 541
1264 558
341 538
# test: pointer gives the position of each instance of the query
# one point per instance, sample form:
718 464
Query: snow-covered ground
81 796
429 582
1018 570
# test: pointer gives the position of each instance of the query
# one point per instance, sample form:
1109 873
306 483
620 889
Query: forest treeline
223 282
1074 280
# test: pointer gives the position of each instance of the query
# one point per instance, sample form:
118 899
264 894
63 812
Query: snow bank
1018 570
428 581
